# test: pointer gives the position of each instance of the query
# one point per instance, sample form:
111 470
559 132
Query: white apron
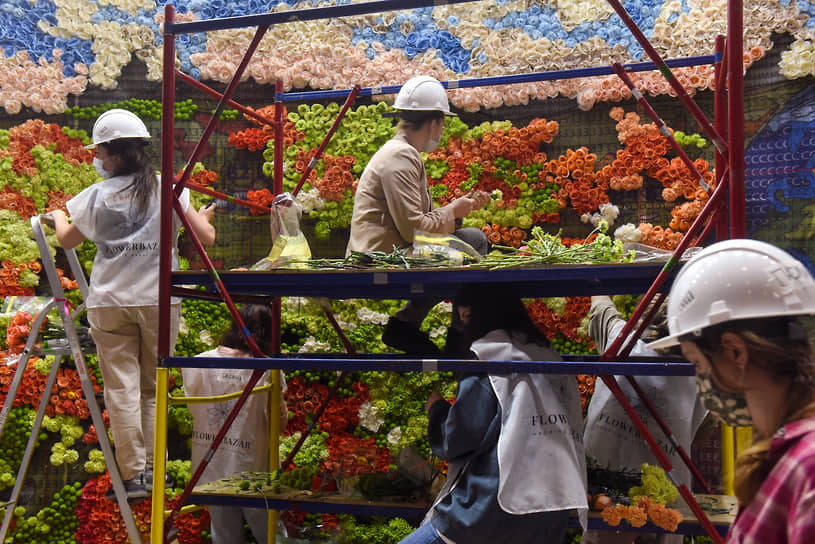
542 466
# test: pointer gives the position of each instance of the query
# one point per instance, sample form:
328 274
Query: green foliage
373 531
203 324
655 484
13 441
56 523
147 110
17 243
312 452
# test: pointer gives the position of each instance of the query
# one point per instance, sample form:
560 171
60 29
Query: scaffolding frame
730 170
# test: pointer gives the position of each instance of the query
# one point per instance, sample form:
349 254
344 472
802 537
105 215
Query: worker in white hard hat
393 200
121 215
736 310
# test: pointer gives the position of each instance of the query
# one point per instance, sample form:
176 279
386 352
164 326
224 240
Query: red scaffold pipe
219 108
229 198
720 119
701 517
253 379
612 351
712 204
621 73
665 70
249 112
663 425
349 348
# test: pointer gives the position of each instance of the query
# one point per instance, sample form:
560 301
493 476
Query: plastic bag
447 247
290 248
645 253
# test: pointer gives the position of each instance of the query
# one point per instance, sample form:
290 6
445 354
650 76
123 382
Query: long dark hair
134 160
495 307
258 319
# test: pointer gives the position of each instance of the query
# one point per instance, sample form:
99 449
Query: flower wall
55 50
375 417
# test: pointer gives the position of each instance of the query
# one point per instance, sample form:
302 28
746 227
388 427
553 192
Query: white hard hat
115 124
736 279
422 93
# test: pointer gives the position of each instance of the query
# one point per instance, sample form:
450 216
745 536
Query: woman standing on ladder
121 215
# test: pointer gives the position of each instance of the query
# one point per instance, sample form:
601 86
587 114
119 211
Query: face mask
731 408
97 163
431 145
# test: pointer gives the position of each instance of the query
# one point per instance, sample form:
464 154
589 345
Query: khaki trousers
127 346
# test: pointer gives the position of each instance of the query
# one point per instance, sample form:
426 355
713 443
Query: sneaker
407 337
135 489
169 482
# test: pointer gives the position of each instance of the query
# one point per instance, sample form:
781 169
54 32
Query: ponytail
135 161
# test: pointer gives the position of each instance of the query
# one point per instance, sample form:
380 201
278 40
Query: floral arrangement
373 416
59 50
527 187
647 501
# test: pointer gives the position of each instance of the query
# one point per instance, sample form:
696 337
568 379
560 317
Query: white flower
366 315
441 330
312 345
346 326
293 304
370 417
610 212
206 337
182 326
395 435
628 233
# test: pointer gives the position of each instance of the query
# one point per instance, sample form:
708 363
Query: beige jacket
392 201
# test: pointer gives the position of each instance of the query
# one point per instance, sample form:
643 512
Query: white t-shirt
125 269
246 444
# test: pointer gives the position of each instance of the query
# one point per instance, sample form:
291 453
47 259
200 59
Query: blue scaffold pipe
408 363
502 80
311 14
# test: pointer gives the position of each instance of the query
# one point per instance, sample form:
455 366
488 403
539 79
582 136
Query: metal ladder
62 347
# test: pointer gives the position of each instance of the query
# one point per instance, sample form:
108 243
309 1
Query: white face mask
97 163
432 143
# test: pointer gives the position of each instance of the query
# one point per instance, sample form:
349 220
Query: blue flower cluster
543 22
425 35
18 20
805 7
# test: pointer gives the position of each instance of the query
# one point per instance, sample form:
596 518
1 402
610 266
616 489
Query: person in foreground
516 461
121 214
735 309
246 444
392 201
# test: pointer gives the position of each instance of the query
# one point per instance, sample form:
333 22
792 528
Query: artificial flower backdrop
375 415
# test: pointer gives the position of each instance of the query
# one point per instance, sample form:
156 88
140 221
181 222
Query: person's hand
58 214
479 198
208 212
462 206
431 400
